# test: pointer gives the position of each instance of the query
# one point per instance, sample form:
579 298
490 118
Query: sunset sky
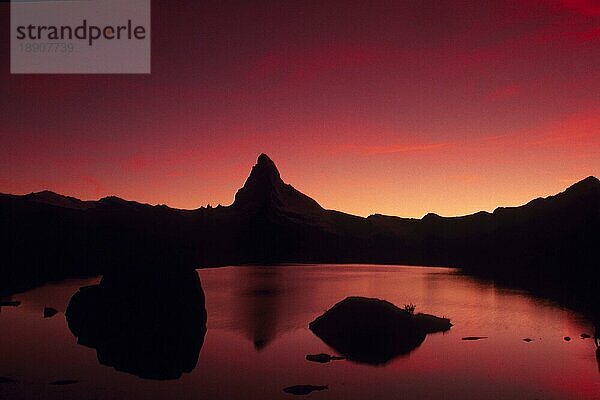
397 107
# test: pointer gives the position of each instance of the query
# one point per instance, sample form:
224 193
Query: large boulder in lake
151 324
374 331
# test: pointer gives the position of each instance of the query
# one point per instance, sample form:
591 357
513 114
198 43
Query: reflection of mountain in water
259 302
148 324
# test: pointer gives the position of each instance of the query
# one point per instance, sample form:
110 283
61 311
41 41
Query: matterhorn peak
265 165
265 188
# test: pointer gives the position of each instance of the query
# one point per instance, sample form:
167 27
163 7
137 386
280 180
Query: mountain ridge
47 236
266 170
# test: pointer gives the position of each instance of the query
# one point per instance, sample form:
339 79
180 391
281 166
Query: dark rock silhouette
50 312
149 323
472 338
549 245
322 358
9 303
567 339
374 331
528 340
63 382
584 336
302 390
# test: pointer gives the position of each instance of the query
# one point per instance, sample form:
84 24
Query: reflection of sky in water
258 337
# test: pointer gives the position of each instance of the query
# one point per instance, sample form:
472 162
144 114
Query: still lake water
257 339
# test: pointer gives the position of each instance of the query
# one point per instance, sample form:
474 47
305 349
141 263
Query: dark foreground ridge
547 243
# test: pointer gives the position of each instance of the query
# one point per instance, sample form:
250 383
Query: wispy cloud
404 148
589 8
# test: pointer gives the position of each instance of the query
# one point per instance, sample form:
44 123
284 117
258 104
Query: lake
257 338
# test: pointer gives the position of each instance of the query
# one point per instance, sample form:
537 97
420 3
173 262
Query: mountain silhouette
47 236
265 191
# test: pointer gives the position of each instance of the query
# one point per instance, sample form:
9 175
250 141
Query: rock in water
322 358
374 331
304 389
150 324
475 338
50 312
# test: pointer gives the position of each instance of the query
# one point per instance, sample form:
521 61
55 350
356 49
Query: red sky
399 107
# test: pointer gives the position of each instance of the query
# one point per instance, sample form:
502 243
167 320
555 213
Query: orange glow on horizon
486 107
